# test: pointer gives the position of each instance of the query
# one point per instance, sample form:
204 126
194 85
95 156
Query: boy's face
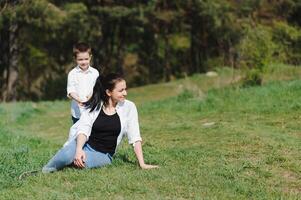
83 60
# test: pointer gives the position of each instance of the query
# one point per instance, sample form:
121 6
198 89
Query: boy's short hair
80 48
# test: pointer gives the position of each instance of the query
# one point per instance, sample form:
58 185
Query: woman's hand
80 158
146 166
139 155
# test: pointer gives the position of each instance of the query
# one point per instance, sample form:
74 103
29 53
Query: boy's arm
71 88
75 97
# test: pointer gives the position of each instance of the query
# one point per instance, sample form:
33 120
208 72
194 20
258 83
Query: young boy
81 79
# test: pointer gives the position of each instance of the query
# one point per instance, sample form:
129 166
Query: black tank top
105 131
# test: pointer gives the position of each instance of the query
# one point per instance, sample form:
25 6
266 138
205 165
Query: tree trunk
3 57
195 60
10 92
120 46
167 67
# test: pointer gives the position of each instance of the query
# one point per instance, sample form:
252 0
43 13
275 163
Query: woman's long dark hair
99 95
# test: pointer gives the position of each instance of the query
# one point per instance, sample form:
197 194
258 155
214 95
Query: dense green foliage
149 41
251 151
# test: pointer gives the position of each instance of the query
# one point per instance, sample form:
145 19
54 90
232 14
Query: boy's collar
80 70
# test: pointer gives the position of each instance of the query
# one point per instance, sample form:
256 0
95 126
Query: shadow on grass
122 158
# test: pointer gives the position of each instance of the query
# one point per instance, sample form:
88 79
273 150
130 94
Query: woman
108 117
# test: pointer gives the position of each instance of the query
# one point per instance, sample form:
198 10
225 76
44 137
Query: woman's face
119 92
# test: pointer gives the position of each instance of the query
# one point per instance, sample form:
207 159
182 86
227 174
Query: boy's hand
88 97
80 103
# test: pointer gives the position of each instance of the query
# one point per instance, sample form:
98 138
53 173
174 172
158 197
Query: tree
11 70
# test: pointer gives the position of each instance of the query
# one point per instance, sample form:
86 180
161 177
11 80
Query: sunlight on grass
211 142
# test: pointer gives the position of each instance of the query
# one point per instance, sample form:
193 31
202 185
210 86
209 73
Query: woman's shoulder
126 104
88 113
94 70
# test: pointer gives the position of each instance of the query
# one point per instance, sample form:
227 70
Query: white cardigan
128 115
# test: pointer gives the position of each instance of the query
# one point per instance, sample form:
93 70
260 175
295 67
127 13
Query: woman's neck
111 104
110 107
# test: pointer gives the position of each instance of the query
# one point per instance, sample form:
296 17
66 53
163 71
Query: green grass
252 151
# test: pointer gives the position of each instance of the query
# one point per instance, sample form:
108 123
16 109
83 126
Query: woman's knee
93 161
66 154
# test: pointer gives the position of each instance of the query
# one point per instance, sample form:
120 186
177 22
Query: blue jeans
65 157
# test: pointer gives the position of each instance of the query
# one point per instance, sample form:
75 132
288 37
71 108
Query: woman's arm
139 155
80 156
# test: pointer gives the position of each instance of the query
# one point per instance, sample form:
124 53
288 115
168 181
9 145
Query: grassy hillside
212 142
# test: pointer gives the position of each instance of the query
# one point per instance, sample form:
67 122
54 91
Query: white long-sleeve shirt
82 83
128 115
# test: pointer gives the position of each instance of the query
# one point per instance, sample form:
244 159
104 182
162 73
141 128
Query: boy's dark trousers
74 120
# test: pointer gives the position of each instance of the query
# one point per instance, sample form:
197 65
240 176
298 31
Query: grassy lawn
211 141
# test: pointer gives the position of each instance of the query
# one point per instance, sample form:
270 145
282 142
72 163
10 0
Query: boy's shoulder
94 70
76 69
73 70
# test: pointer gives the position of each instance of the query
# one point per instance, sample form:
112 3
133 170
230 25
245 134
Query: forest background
149 41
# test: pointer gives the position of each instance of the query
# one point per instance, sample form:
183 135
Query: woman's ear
108 92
